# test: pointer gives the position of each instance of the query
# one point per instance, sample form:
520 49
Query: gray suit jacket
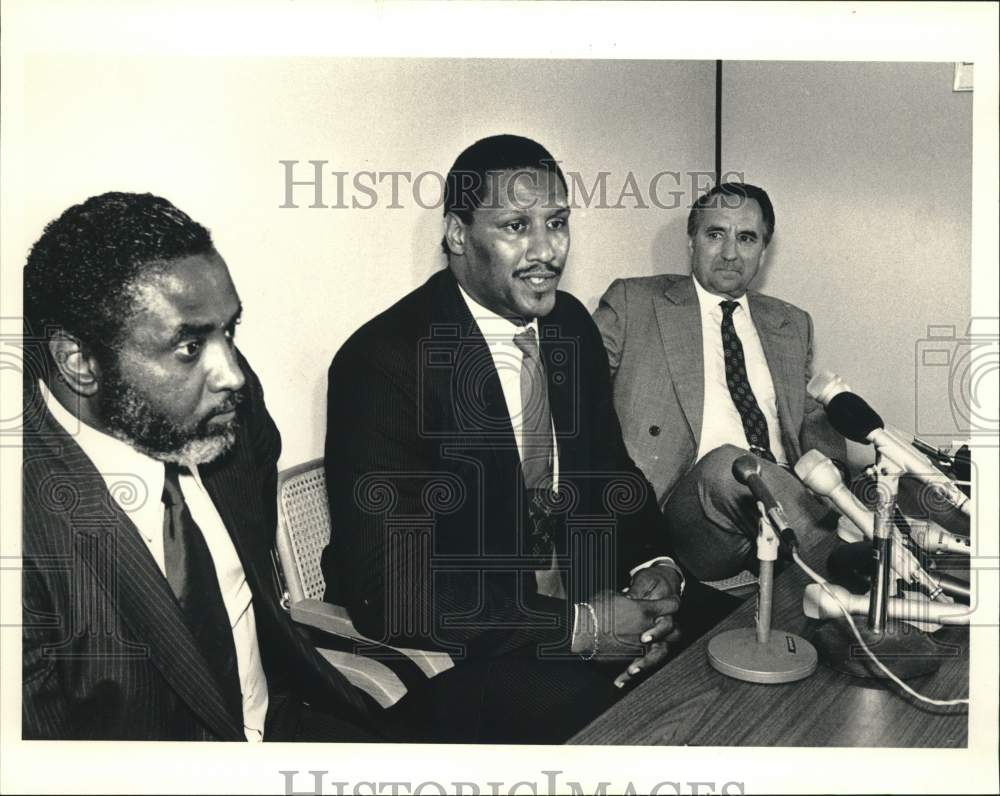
652 332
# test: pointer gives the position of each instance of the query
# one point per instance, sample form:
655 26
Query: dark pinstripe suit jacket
106 653
427 499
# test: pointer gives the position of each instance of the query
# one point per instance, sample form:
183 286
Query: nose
540 248
225 374
729 249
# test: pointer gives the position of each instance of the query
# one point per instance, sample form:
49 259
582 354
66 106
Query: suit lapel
112 548
238 516
473 414
224 485
781 350
679 319
474 379
234 495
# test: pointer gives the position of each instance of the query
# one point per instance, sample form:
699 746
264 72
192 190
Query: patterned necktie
536 443
754 422
194 582
536 420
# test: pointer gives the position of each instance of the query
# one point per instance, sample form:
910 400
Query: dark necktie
194 582
536 441
754 422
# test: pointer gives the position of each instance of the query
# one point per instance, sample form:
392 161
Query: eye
713 234
189 350
748 239
558 223
515 226
230 331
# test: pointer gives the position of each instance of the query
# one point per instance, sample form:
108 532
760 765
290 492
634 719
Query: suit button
654 431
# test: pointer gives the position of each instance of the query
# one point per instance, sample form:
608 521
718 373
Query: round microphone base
785 657
906 651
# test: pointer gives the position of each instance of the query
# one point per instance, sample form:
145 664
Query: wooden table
688 702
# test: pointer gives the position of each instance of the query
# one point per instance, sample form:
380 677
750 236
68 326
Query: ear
454 234
690 246
74 365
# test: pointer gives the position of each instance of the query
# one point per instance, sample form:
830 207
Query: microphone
758 655
746 470
817 604
854 419
821 475
938 540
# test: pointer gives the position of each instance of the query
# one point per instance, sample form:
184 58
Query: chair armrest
324 616
334 619
374 678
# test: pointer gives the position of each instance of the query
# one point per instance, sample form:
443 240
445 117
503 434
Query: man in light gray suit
704 371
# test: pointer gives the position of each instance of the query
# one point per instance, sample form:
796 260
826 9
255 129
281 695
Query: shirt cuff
576 627
661 561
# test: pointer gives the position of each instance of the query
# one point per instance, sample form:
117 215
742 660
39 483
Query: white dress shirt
720 419
499 335
498 332
135 481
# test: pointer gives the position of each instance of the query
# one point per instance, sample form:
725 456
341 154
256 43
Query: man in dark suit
150 607
703 371
482 498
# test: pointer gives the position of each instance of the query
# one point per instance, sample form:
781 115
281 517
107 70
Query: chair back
303 529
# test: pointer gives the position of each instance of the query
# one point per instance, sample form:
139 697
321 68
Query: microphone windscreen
852 417
744 467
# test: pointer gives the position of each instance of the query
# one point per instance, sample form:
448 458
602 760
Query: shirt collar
494 328
112 457
709 302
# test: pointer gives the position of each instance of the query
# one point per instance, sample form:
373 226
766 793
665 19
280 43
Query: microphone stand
757 655
908 651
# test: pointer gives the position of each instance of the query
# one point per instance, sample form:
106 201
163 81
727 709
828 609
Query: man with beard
150 609
482 498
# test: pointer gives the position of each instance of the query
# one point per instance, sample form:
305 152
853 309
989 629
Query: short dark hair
469 178
743 190
80 273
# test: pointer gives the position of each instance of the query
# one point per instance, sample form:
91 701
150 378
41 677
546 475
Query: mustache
229 405
534 271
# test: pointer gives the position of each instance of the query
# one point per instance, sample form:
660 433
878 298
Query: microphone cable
850 621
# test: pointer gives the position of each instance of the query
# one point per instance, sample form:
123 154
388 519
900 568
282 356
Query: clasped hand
643 615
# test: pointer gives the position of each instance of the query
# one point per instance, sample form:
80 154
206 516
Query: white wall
869 166
208 134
